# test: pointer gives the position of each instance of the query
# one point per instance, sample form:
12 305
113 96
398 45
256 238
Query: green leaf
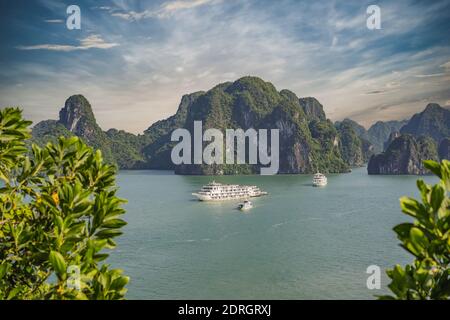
108 233
119 283
58 263
3 269
114 223
437 196
433 166
424 190
13 293
418 240
403 230
410 206
100 256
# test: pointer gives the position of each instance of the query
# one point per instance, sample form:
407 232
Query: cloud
376 92
132 15
182 4
335 41
90 42
315 49
429 75
166 9
446 66
54 21
95 41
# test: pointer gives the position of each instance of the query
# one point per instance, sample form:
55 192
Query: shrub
427 238
58 213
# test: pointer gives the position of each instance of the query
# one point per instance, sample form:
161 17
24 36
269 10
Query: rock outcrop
434 121
308 141
394 135
404 155
444 149
76 118
380 131
251 102
354 146
312 108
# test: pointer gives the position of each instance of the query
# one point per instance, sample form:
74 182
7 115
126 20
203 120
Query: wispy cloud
446 66
182 4
90 42
165 10
54 20
376 92
429 75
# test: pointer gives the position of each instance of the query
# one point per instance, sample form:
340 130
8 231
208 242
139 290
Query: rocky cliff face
434 121
77 118
312 108
359 129
404 155
417 141
158 146
394 135
77 115
354 146
444 149
253 103
378 133
308 141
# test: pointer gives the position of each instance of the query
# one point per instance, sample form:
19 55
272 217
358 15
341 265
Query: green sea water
299 242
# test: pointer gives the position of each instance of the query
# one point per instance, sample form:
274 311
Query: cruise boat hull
208 198
322 184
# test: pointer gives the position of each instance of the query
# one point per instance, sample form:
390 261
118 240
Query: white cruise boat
319 180
214 191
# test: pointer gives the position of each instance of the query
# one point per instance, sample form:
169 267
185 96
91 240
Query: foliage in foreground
58 212
427 238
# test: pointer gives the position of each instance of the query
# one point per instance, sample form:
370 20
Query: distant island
425 137
309 142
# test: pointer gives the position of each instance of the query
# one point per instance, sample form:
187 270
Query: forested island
309 141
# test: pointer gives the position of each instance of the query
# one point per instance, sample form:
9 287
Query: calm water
299 242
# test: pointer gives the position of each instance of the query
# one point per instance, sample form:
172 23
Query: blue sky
134 60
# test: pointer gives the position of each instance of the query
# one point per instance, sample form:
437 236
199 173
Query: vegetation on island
380 131
350 145
308 141
434 122
424 137
59 212
404 155
427 238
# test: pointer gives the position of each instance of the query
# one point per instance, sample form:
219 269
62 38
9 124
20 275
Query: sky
133 60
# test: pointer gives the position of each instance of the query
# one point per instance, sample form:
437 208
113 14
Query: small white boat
319 180
246 205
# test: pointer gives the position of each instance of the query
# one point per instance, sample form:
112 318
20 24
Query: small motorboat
246 205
